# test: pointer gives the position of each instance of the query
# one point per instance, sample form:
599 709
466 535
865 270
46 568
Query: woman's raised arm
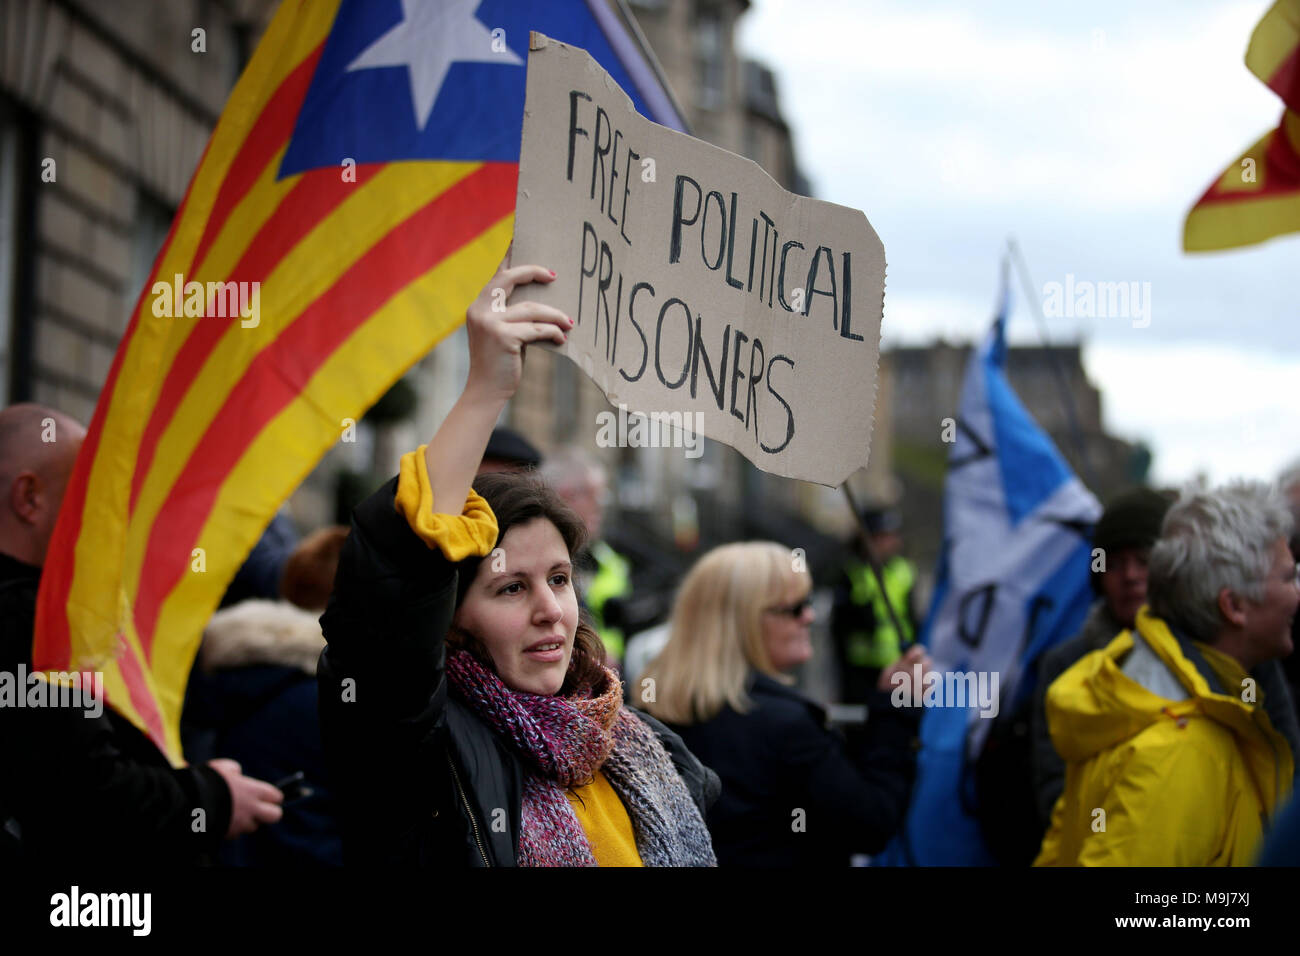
497 336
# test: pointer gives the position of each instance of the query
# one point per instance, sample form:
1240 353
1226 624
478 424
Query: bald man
93 786
38 447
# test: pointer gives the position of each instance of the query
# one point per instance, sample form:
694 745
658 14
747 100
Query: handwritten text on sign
697 284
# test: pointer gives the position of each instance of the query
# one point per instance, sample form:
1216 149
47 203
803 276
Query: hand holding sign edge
497 337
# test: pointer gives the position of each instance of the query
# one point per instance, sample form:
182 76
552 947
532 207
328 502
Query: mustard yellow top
597 806
459 536
605 821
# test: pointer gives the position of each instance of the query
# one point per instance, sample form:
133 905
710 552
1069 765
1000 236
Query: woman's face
787 626
522 608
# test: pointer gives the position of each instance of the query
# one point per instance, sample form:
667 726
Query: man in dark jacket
75 785
1122 543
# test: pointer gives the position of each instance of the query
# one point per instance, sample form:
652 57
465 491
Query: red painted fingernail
552 272
570 319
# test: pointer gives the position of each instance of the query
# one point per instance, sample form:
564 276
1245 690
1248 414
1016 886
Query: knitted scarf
563 742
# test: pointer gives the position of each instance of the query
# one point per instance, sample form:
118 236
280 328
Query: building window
16 264
710 59
8 241
152 220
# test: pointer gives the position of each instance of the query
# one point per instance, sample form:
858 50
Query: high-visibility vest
612 579
882 648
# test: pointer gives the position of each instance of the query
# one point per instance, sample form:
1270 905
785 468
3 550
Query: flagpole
634 28
1071 416
877 569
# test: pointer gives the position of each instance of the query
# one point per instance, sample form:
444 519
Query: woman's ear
457 637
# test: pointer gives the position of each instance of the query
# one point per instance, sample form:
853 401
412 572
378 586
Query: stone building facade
104 113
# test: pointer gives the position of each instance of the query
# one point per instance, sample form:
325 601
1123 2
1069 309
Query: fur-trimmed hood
262 633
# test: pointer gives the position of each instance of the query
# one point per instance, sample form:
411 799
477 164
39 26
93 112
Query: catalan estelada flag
1258 196
357 192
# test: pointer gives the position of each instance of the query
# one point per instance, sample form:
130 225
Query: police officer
864 634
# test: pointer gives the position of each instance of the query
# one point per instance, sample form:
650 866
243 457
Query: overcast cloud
1086 131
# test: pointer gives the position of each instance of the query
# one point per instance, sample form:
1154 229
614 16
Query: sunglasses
791 610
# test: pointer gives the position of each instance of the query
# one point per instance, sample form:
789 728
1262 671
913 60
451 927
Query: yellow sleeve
473 532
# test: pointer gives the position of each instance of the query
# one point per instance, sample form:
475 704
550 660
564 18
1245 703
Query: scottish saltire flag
355 195
1012 581
1258 196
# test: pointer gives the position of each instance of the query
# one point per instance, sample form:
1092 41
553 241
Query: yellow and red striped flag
1274 51
1258 196
356 193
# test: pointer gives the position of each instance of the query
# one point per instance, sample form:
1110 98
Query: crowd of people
459 702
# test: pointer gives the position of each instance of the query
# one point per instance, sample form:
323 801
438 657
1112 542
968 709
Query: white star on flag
432 36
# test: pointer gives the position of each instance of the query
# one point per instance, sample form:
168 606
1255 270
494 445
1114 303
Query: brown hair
517 498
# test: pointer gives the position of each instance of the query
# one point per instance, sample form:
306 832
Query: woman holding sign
465 707
793 792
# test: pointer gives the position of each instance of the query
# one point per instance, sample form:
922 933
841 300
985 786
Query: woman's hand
498 334
906 665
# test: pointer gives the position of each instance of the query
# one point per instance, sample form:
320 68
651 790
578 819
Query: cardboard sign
703 293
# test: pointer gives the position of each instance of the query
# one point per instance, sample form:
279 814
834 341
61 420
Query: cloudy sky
1085 130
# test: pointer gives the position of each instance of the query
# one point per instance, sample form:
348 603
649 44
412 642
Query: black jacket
265 718
94 788
780 758
420 779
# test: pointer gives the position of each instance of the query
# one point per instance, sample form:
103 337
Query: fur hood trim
262 632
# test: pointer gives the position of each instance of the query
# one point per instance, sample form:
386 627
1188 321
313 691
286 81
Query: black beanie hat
510 446
1131 520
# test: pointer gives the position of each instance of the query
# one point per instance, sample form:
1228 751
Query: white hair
1212 540
1290 477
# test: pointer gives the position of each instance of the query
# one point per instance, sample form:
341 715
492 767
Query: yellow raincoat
1152 781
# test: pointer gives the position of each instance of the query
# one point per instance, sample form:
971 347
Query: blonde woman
794 793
